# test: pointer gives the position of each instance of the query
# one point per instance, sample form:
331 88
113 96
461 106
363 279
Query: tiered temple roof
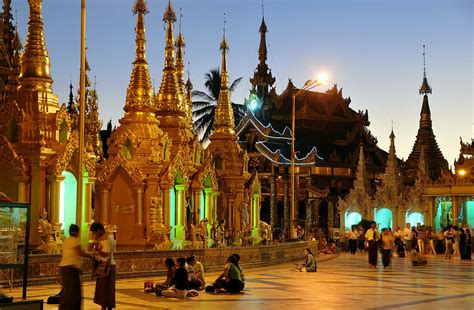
426 140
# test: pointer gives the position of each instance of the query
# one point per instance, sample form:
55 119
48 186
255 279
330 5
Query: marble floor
340 283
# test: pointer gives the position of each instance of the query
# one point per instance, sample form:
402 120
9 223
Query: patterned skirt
105 290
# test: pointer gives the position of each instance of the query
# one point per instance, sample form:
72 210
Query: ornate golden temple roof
140 91
224 122
169 98
35 63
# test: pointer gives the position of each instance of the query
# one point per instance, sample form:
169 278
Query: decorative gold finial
169 97
425 87
35 63
140 92
224 121
180 45
140 6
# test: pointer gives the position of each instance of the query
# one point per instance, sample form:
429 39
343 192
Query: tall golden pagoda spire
169 98
180 45
35 63
224 121
140 91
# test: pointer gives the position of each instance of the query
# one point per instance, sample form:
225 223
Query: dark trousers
71 298
231 286
353 245
386 257
373 248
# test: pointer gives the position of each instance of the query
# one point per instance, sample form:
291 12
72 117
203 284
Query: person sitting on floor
170 266
418 259
309 265
180 284
195 273
330 248
231 279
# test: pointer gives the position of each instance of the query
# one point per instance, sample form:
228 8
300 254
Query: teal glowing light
201 205
252 103
67 201
415 218
384 218
352 218
470 213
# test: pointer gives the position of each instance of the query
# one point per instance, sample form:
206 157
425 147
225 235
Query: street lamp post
310 84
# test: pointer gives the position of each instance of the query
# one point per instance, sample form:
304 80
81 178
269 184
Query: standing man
352 236
70 267
373 236
407 237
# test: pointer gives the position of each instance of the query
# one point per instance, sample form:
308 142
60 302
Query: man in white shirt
352 236
407 237
372 236
70 266
196 281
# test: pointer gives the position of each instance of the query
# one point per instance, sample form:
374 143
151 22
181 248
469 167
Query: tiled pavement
342 283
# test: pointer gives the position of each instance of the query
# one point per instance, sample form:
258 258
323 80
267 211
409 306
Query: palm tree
204 108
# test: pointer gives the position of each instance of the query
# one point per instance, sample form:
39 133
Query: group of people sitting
185 277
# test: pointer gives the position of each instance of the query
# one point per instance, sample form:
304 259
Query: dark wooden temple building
328 135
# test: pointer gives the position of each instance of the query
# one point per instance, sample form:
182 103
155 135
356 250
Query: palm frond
234 84
199 113
202 95
203 104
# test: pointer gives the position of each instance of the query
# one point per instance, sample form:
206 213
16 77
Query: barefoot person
231 279
70 267
372 236
104 249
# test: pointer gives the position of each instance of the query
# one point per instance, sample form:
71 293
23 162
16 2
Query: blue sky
370 48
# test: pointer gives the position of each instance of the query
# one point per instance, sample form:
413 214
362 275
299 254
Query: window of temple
63 131
352 218
127 149
218 162
12 133
383 218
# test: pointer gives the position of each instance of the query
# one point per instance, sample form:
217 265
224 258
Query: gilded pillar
139 214
297 198
455 210
197 206
89 197
214 205
230 212
22 189
55 197
285 204
316 211
309 212
166 205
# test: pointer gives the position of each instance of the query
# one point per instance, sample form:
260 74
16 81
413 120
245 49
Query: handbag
101 269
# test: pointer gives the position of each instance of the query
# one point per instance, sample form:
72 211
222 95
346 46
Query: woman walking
387 244
104 249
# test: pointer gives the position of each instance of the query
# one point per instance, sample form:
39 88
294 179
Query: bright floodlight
462 172
322 78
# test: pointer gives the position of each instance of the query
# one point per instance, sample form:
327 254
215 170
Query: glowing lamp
322 79
253 105
462 172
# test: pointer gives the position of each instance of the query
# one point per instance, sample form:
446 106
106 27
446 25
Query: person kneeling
180 285
231 279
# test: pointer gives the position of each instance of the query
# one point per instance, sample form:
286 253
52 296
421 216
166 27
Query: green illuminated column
54 197
255 218
208 204
180 217
214 206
